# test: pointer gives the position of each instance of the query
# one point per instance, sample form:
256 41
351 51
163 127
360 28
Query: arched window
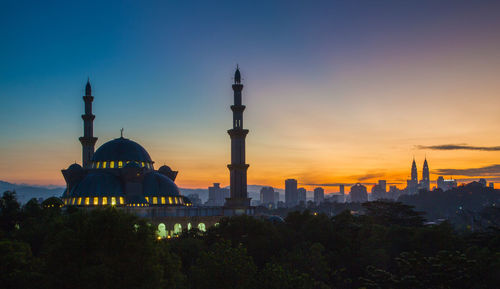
177 228
162 231
202 227
189 226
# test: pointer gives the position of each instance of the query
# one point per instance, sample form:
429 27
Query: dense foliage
44 246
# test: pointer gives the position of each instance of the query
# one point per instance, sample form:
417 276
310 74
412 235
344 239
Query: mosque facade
121 173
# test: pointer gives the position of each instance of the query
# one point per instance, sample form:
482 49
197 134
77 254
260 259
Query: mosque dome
75 167
121 149
99 184
156 184
119 152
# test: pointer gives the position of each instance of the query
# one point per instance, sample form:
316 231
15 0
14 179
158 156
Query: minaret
238 169
88 140
426 184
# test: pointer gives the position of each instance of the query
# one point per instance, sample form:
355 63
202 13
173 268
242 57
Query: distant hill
25 193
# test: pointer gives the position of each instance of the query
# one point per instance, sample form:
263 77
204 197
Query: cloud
449 147
493 170
368 176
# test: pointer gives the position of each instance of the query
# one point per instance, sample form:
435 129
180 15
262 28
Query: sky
336 91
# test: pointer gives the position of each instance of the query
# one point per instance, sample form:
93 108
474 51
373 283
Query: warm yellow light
143 164
96 201
113 201
98 165
170 200
112 164
103 165
87 201
176 201
79 202
163 200
122 201
120 164
104 200
155 200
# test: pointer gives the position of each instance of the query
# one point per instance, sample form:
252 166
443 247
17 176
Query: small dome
121 149
156 184
165 170
75 167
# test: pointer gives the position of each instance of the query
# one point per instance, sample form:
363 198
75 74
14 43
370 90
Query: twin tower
413 185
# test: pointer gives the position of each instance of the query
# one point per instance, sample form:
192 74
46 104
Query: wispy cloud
493 170
449 147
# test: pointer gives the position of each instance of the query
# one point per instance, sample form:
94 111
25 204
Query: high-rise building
358 193
412 183
302 196
342 189
425 183
319 195
276 197
267 196
482 182
217 195
379 190
291 194
238 168
492 185
446 185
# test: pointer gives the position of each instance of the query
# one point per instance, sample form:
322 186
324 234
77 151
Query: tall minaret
426 183
88 140
238 168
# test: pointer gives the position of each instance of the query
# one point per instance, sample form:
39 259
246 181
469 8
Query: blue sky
343 79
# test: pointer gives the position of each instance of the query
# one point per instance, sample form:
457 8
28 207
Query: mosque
121 173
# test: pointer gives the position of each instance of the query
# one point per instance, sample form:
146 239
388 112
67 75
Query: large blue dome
121 149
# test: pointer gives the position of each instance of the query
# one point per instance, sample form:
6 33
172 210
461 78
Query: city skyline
341 97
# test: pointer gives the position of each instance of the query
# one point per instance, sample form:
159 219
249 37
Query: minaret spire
238 168
88 140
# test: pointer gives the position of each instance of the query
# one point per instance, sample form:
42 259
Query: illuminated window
147 199
98 165
103 165
122 201
96 201
175 199
104 200
120 164
163 200
112 164
170 200
87 201
79 202
142 164
155 200
113 201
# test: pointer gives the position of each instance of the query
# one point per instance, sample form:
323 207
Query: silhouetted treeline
44 246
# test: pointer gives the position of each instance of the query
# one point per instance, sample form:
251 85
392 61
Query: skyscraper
217 195
425 184
358 193
238 168
412 183
302 196
291 194
319 195
267 196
